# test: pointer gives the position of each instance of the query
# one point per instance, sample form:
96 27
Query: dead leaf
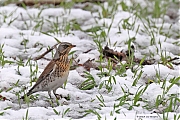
88 64
110 53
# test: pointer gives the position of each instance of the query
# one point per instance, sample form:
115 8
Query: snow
21 39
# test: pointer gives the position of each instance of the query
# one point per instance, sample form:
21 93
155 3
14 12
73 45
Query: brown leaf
88 65
3 98
110 53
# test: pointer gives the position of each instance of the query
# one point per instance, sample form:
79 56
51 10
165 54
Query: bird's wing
49 69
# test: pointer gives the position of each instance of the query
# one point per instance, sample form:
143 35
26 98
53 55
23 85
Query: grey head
63 48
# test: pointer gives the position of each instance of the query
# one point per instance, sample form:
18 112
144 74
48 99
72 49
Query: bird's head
63 49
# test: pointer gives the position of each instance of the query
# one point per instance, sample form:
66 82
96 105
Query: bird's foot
58 96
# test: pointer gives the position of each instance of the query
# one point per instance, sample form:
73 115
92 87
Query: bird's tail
27 94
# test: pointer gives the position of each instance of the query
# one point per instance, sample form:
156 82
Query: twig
170 60
87 51
145 62
49 50
46 59
176 63
176 58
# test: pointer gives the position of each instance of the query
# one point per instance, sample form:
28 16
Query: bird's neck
63 58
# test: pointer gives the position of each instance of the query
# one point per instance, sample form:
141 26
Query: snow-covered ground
27 33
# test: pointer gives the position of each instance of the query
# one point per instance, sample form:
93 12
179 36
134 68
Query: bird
55 73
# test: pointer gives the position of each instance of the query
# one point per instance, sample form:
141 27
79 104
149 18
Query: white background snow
21 37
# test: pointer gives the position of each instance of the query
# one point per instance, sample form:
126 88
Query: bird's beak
73 46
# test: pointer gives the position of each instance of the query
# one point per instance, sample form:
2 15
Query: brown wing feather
48 69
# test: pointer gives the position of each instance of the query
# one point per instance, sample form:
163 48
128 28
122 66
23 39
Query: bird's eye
66 46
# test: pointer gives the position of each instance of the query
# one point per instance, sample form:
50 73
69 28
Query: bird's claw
58 96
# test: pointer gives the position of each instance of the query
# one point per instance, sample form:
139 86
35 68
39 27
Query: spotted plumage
55 73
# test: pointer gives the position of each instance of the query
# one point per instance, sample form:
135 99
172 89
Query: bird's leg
57 95
51 101
49 93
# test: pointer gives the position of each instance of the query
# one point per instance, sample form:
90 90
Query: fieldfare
55 73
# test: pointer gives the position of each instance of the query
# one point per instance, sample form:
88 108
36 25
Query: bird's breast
57 78
52 82
61 69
